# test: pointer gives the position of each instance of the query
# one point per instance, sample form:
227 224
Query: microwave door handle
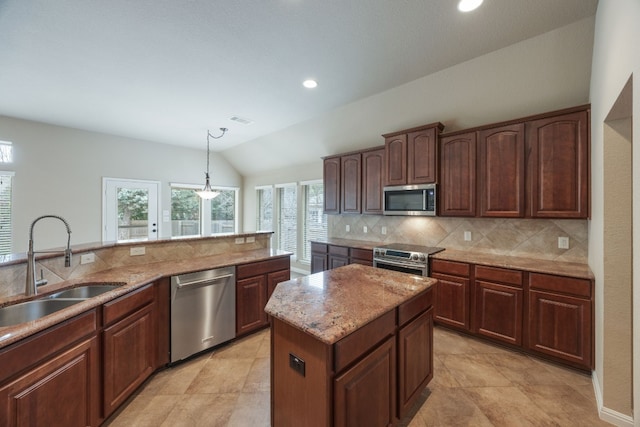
424 200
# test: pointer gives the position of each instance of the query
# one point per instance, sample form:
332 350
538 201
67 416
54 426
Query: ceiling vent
241 120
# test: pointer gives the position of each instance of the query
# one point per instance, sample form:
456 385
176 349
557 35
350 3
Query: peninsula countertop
332 304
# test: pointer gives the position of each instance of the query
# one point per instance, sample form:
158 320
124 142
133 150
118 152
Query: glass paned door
130 210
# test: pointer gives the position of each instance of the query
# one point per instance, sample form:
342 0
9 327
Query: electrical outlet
563 243
87 258
239 240
297 364
137 250
383 230
348 228
467 236
251 239
364 229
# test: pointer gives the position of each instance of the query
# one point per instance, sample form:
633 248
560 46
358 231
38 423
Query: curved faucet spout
31 286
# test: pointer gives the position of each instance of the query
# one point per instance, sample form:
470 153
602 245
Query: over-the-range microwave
410 200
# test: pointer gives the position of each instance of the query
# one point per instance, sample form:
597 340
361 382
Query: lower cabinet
129 338
326 257
254 284
453 293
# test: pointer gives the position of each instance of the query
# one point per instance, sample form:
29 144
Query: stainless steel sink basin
32 310
83 292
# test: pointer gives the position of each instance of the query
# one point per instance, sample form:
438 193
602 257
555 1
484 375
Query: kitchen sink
83 292
32 310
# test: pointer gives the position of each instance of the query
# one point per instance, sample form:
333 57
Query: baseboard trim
606 414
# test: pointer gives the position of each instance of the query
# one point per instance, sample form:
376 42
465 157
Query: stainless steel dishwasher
203 311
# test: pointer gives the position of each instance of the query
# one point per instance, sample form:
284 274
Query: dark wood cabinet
559 166
326 257
499 304
351 177
361 256
319 257
412 155
372 181
331 184
366 393
501 171
129 339
561 318
457 193
254 284
453 293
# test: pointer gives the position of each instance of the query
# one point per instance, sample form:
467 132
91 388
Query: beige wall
59 171
615 60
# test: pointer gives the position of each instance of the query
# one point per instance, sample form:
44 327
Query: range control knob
414 257
421 257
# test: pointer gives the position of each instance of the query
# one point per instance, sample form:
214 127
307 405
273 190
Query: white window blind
287 197
264 204
223 211
6 185
315 221
6 152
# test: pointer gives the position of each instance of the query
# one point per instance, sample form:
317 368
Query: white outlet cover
87 258
467 236
348 228
563 243
383 230
137 250
239 240
364 229
251 239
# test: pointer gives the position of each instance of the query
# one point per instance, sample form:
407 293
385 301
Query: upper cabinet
372 181
457 191
559 171
412 155
331 183
351 173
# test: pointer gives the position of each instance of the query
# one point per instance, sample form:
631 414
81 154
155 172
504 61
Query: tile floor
475 384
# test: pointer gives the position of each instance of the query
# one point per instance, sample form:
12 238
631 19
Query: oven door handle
399 264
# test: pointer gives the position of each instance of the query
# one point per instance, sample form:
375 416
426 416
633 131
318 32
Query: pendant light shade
207 193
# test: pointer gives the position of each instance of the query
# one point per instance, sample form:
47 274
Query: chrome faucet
32 284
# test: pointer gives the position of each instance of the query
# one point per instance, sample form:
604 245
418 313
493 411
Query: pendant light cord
224 130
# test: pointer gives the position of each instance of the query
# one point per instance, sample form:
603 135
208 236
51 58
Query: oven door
403 267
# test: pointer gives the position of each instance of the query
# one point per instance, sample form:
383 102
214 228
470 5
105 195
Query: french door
130 210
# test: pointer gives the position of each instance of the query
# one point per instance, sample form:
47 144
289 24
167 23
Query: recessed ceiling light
310 83
469 5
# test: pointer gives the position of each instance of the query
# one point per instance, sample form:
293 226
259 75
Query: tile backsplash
532 238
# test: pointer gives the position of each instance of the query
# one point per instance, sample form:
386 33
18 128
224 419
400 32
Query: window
130 210
6 184
224 211
287 222
185 212
6 152
315 221
264 196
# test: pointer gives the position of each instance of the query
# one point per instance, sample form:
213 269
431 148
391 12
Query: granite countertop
128 278
360 244
332 304
570 269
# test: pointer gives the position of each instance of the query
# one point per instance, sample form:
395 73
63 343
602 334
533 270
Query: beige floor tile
221 375
152 414
450 408
177 379
252 410
259 377
202 410
474 370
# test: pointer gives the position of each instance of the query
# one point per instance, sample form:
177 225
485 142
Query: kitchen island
350 346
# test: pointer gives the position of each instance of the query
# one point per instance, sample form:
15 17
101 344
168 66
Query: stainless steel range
412 259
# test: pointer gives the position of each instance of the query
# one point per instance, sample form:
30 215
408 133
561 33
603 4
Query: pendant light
207 192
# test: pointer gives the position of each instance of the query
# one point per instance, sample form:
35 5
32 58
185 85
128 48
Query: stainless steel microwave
410 200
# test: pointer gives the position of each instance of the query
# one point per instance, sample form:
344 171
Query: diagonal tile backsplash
531 238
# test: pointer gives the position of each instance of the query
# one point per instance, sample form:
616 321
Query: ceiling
168 70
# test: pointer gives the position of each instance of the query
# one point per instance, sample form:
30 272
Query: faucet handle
42 281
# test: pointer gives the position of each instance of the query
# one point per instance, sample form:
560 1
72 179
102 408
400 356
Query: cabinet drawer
561 284
119 308
502 275
321 248
29 351
339 250
261 267
415 306
362 254
359 342
450 267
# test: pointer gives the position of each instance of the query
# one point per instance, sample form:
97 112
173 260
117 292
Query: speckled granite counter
581 271
332 304
130 278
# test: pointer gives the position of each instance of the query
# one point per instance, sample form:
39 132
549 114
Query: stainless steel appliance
410 200
203 311
412 259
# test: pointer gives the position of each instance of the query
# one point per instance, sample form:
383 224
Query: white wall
615 59
59 171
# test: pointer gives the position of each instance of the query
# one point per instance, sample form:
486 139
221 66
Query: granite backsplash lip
331 304
130 278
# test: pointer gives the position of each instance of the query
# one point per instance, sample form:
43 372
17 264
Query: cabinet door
365 395
422 157
129 356
559 165
351 177
458 175
372 177
62 391
331 182
498 312
336 261
452 301
501 177
274 278
560 326
319 262
415 360
251 297
395 151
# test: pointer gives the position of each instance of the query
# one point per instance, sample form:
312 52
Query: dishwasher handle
204 281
